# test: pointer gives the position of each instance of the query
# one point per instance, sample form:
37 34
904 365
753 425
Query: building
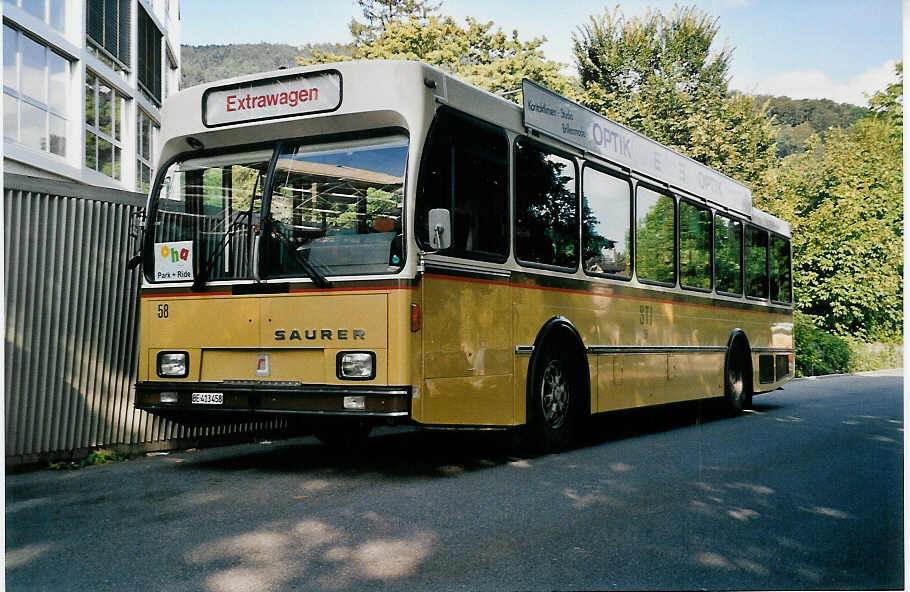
83 82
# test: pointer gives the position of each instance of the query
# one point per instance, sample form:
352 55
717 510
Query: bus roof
365 87
552 114
773 223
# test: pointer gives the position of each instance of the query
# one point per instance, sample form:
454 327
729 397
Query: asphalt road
805 492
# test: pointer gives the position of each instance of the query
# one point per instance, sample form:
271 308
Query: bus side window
655 241
756 262
780 269
728 252
606 228
546 207
465 171
694 246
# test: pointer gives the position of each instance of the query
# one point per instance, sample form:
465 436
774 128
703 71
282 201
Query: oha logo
174 255
174 261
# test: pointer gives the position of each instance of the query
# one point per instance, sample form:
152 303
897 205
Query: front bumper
244 401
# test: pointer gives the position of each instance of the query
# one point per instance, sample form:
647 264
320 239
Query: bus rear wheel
737 381
552 402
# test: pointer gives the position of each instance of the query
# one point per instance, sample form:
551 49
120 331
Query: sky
836 49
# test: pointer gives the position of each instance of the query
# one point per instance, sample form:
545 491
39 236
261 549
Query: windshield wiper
308 267
203 276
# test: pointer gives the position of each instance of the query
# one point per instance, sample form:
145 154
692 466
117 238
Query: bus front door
467 350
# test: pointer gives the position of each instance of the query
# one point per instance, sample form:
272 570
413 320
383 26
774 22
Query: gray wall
72 327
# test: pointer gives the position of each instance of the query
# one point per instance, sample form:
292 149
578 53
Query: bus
378 242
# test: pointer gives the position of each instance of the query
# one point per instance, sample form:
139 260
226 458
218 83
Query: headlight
173 364
356 365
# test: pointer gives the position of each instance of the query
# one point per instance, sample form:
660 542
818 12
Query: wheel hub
554 395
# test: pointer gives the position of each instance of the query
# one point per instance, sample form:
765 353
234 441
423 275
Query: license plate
208 398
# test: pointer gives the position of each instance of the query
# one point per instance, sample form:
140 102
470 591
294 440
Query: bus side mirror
136 232
440 229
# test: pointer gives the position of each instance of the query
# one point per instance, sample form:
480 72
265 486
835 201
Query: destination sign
255 100
556 116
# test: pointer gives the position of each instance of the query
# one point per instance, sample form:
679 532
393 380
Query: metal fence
72 326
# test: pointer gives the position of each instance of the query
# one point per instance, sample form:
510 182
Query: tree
661 76
379 14
820 114
889 103
477 54
792 139
797 119
844 200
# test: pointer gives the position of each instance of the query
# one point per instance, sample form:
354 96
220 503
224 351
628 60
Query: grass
101 456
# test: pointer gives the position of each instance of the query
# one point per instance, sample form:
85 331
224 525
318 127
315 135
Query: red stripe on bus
294 291
184 294
351 289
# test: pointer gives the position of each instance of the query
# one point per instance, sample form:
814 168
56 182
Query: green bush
876 356
819 352
103 456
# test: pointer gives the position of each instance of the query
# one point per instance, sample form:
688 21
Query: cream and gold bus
379 242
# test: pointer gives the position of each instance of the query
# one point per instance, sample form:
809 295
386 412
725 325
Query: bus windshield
335 209
215 203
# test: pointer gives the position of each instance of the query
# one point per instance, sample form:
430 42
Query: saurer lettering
322 334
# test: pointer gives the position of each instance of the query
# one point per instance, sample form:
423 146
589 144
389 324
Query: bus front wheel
552 403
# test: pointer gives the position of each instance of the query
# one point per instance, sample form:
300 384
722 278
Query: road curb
886 372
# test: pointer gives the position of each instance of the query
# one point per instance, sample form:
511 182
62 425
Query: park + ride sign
270 98
556 116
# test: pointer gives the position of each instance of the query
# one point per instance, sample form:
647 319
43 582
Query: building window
108 27
35 84
146 135
52 12
104 113
149 57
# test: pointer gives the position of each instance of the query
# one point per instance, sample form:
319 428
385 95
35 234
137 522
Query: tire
553 401
738 380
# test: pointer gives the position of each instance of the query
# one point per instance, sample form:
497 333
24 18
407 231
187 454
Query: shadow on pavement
408 453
